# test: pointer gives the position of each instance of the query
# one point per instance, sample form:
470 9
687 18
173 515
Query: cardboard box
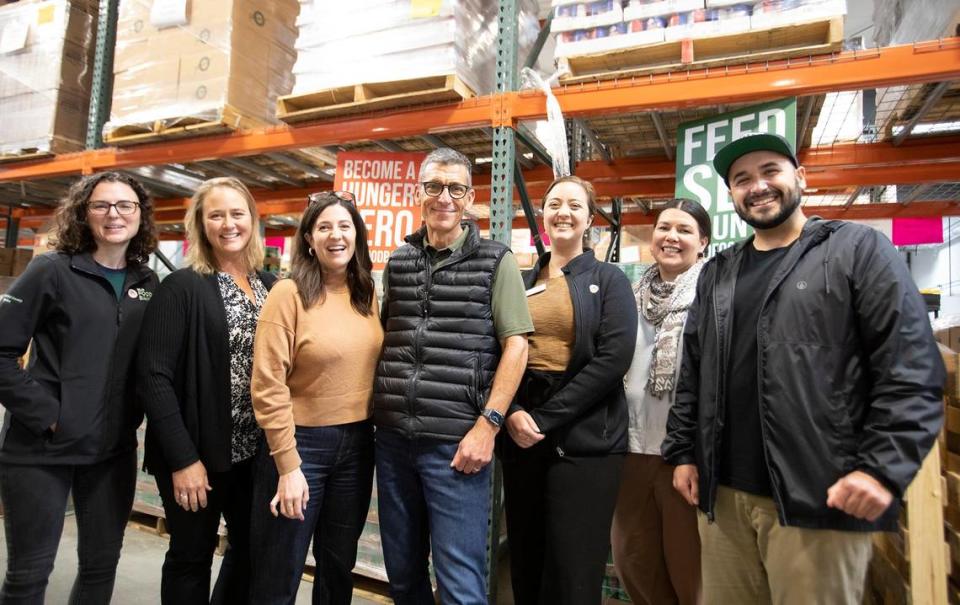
236 53
45 74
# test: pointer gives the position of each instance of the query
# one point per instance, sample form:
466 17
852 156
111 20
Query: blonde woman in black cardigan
194 370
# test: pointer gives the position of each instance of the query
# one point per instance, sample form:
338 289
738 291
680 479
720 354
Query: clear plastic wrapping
200 60
46 53
388 40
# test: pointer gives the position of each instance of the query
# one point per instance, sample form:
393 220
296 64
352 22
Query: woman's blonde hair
200 255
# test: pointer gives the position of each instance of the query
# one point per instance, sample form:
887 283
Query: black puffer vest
440 346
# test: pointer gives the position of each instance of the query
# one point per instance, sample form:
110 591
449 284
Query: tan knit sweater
311 367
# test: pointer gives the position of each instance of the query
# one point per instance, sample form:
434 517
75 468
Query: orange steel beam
932 61
922 62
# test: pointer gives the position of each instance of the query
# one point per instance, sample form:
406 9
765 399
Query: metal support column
12 235
101 89
504 159
504 136
528 210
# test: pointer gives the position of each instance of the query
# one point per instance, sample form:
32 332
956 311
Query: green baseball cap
750 142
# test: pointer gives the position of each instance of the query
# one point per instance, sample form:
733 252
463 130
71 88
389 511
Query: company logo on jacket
139 294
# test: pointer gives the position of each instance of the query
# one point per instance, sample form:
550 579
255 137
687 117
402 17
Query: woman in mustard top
315 354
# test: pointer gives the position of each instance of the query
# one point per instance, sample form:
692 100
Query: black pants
35 501
193 540
559 511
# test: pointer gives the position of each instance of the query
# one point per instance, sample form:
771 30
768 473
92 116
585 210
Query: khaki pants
656 548
748 557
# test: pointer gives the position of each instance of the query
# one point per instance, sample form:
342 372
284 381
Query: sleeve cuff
287 460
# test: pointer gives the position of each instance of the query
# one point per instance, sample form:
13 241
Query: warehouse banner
699 141
385 185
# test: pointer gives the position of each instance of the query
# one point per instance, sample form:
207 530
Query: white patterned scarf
664 305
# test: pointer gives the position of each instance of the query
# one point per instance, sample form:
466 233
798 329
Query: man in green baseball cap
798 431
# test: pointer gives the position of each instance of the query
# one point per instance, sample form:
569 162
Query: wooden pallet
769 44
48 148
226 119
362 98
157 524
911 565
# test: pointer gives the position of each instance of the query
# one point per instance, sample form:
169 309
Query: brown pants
656 548
748 557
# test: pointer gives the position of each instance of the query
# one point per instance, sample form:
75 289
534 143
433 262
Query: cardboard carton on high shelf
197 58
46 56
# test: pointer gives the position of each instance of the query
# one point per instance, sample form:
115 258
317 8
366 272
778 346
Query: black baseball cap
750 142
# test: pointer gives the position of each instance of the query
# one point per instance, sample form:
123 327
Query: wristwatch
493 417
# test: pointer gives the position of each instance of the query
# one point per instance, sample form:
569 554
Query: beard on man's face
788 200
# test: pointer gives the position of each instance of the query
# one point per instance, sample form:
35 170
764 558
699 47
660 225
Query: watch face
495 417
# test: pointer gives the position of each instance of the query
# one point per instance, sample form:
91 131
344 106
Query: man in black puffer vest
455 347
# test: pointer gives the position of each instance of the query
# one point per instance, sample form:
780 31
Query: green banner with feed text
699 141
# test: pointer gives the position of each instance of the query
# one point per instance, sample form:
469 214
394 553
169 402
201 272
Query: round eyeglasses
435 189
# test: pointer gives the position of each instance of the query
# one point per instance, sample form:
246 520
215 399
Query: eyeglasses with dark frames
435 189
123 207
343 196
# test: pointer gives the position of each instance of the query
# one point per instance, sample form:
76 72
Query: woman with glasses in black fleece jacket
71 420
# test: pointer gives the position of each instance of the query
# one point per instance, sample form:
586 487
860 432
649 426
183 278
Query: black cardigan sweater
184 374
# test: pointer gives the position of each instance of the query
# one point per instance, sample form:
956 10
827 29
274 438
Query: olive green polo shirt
508 299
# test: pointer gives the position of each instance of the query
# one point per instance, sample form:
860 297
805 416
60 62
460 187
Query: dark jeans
426 506
337 462
35 501
559 511
193 540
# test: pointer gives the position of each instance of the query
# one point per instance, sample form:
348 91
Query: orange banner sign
385 185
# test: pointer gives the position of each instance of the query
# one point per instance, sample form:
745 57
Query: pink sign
276 242
917 230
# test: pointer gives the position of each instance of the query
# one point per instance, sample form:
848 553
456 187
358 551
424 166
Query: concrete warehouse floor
138 575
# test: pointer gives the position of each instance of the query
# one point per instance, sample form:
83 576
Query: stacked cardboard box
389 40
46 54
584 28
14 261
183 61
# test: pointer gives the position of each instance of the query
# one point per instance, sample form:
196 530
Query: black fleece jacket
78 376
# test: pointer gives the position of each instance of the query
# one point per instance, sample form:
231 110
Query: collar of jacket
418 237
84 262
578 265
815 230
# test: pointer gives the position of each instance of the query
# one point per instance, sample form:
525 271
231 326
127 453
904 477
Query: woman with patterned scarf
656 547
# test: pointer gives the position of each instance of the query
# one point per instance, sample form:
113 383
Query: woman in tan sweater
315 353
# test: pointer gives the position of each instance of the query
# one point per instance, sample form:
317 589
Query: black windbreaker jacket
79 375
587 415
849 374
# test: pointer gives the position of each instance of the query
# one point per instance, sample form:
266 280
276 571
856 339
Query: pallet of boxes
46 58
193 67
912 565
402 53
607 39
947 331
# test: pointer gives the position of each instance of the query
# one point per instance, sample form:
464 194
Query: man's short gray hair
447 157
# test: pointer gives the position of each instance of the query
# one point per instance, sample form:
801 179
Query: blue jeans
425 505
337 462
35 500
